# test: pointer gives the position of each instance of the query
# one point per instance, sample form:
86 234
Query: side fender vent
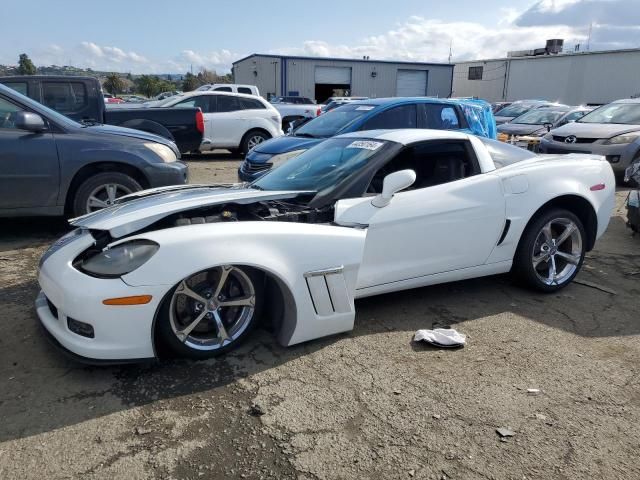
507 224
328 290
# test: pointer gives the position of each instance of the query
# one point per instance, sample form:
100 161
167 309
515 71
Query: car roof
407 136
401 100
627 100
218 92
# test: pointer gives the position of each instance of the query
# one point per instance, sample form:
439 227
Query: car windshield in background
168 101
323 166
540 116
330 123
514 110
621 113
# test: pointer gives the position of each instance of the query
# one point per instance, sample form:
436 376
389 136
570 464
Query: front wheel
252 139
551 251
210 312
101 191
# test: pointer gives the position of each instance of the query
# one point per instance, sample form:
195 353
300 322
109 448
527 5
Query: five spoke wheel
557 251
212 309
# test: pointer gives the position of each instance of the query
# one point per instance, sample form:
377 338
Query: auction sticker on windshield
365 144
366 108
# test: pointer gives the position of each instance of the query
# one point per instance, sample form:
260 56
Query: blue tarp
479 116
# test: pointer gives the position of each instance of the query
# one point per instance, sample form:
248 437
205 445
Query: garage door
411 83
333 75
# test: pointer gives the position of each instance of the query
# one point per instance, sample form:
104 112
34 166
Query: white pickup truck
295 108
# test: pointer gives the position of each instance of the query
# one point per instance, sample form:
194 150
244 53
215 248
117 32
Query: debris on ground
533 391
505 432
257 410
441 337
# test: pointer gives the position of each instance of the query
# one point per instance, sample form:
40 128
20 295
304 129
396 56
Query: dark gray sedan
51 165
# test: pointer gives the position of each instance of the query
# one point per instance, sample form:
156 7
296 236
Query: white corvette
192 269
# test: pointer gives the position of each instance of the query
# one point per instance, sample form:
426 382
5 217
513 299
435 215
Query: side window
65 97
434 162
224 89
244 90
441 117
201 101
227 104
403 116
8 112
20 87
250 104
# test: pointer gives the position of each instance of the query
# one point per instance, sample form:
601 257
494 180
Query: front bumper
619 156
165 174
120 332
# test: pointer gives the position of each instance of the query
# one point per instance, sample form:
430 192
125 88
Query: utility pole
450 49
589 38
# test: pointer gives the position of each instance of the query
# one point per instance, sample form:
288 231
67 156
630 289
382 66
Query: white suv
232 121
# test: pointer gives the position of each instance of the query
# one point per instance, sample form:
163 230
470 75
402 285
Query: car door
206 103
29 168
228 121
450 219
439 116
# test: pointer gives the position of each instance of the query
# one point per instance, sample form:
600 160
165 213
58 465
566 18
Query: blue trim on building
335 59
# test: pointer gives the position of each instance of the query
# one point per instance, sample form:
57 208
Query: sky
164 37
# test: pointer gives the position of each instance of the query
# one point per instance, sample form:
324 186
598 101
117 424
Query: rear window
250 104
504 154
65 97
223 89
244 90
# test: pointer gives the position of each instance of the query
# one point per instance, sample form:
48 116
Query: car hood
594 130
127 132
286 144
137 211
519 128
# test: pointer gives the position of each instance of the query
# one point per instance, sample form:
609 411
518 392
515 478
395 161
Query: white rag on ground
440 336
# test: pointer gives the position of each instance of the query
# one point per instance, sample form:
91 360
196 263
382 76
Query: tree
25 65
113 84
147 85
189 83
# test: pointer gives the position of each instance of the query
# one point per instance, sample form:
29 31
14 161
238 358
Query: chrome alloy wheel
105 195
557 251
211 309
254 140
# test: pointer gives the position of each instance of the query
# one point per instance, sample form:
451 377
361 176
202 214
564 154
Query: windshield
330 123
540 116
322 166
277 100
621 113
515 110
168 101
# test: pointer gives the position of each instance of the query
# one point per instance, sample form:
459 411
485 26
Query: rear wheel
211 311
101 190
551 251
252 139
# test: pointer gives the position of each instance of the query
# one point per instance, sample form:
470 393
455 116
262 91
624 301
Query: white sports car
193 268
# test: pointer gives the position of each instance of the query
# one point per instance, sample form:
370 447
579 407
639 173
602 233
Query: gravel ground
366 404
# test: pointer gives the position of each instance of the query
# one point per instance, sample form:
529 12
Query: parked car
294 112
539 121
194 269
108 98
497 106
330 105
518 108
233 121
612 130
293 100
165 95
230 87
52 165
81 99
382 113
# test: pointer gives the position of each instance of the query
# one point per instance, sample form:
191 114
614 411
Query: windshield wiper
306 135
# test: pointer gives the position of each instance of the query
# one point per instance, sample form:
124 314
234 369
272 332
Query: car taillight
318 112
200 121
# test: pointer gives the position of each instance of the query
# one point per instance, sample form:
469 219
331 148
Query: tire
566 254
194 303
253 138
101 187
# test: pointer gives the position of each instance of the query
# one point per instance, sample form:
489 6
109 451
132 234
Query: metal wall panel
333 75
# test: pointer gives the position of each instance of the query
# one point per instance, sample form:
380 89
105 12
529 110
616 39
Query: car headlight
278 160
624 138
165 153
120 259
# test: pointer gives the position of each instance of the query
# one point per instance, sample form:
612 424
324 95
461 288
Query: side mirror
393 183
548 126
31 122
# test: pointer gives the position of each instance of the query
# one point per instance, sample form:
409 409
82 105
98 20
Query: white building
319 78
570 78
